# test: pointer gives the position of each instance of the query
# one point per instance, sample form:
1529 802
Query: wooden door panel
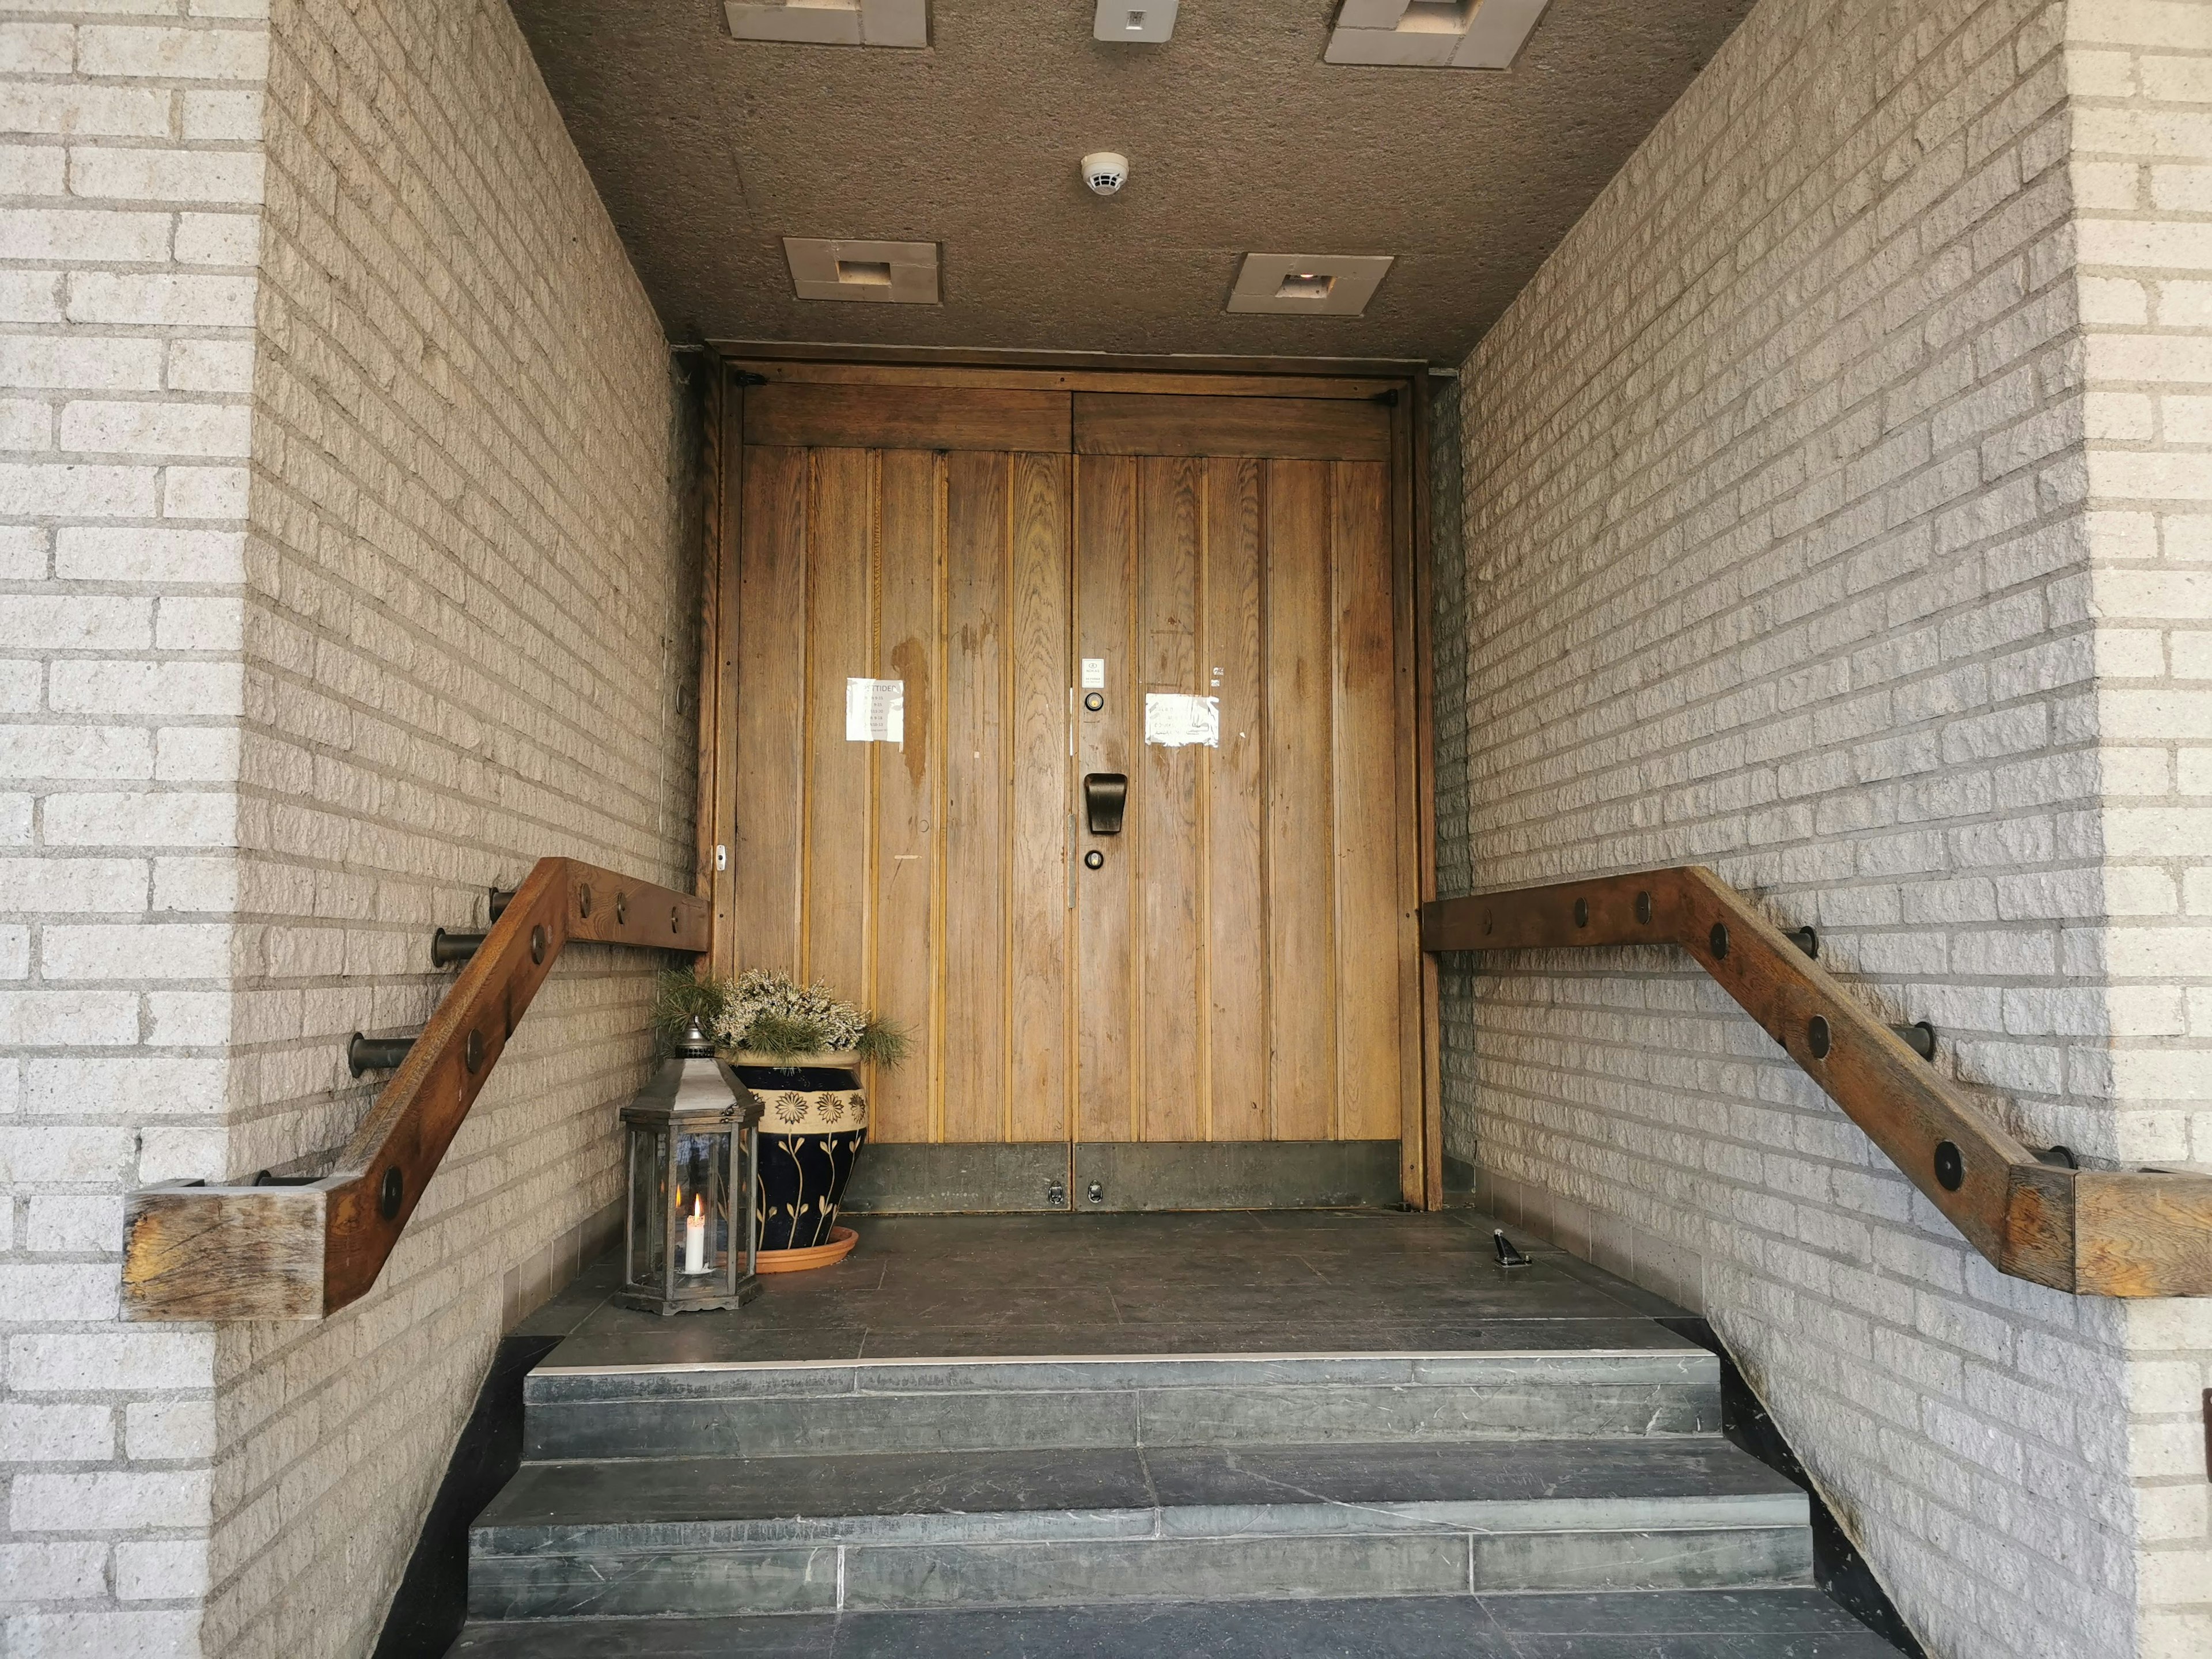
1233 806
1366 721
1106 521
1038 627
835 808
1301 816
1162 844
1290 428
907 885
907 418
925 878
771 723
977 823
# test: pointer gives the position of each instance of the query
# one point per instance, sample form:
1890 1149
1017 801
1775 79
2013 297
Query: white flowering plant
765 1011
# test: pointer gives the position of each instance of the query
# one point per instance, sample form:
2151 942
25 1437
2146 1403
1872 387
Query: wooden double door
1044 572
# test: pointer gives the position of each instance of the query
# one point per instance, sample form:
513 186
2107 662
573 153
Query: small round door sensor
1094 860
1095 701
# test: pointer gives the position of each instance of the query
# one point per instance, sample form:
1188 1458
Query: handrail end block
196 1252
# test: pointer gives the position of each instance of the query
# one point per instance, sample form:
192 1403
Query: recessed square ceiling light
1308 284
896 273
831 22
1139 22
1477 34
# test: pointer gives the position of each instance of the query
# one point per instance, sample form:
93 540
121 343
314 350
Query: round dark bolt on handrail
1716 941
1644 908
368 1054
389 1192
452 949
1950 1167
1919 1037
1818 1037
1582 913
538 940
472 1051
1806 939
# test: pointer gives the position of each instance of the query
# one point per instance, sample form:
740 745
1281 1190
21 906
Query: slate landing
1785 1623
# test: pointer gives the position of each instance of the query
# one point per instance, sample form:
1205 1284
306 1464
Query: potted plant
795 1048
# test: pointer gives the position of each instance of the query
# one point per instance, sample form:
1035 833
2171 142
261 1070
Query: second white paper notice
1173 721
875 711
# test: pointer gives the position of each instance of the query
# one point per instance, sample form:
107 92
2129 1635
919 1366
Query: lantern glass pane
702 1172
649 1207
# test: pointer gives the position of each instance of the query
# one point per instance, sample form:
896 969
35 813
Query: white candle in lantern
695 1237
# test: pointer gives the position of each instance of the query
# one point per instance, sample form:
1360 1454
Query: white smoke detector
1105 172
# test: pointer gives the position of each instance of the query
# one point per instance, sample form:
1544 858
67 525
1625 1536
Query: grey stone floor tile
805 1635
1678 1625
622 1494
1422 1627
1863 1644
953 1286
1681 1612
1503 1470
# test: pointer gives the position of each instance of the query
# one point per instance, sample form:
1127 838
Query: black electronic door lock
1105 794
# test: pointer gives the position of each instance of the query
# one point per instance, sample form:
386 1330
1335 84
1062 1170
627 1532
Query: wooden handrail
2094 1232
305 1251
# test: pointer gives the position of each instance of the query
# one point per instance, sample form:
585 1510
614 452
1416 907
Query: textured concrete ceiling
710 150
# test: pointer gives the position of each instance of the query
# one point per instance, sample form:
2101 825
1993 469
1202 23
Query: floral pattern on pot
815 1111
814 1121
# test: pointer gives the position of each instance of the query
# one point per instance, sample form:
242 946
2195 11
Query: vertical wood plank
976 796
771 652
1300 805
1168 856
1421 1139
1231 668
840 551
724 461
1370 1055
1105 582
1037 902
906 791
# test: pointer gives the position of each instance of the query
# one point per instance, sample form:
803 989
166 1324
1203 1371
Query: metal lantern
687 1237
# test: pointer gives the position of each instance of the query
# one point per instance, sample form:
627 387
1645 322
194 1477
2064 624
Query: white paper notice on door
1173 721
875 711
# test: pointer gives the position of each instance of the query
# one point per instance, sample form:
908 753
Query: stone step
1766 1624
861 1407
728 1536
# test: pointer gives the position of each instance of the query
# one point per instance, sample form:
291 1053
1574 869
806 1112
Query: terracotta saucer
842 1240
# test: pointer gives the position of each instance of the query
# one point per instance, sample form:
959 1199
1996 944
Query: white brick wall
344 569
469 640
2140 75
127 236
1786 521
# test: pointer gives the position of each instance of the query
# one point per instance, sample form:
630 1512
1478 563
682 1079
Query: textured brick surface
122 521
2140 77
1788 553
347 569
469 640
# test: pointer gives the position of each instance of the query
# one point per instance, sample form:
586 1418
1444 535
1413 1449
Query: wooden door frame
732 365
